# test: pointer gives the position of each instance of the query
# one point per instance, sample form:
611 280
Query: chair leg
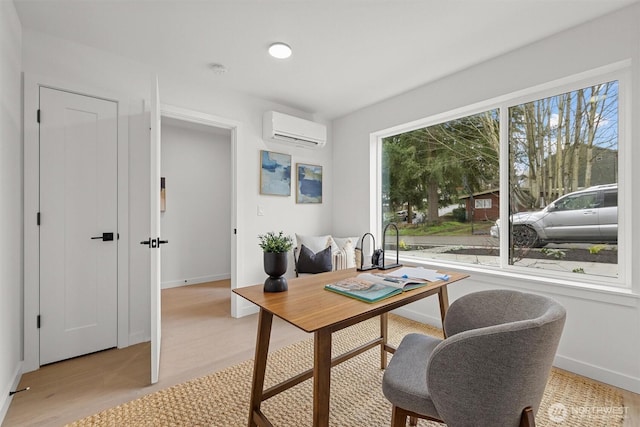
528 418
398 417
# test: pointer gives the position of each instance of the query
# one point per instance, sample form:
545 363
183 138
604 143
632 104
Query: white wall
10 203
196 165
601 338
81 68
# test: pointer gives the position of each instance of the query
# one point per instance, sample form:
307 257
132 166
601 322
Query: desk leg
443 297
260 363
384 327
321 377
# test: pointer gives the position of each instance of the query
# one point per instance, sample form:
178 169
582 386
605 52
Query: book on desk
372 287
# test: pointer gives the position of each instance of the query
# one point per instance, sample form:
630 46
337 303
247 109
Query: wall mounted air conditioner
292 130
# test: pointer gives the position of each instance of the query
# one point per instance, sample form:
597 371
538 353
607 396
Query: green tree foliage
434 164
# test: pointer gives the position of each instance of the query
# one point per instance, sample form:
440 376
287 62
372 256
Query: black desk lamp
360 248
384 235
377 259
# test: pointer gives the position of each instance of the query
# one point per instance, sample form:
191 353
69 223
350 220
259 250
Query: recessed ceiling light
280 50
218 68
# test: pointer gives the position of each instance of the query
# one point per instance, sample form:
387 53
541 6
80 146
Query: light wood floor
199 336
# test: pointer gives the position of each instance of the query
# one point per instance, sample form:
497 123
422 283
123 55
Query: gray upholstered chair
491 370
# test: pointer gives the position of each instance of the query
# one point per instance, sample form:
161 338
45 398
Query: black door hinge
38 321
38 218
38 116
235 231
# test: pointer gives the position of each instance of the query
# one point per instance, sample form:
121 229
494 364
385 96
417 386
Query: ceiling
347 54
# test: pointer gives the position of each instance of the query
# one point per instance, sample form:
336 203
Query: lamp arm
361 248
384 236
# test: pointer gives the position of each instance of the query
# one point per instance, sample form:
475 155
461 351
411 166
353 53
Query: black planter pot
275 265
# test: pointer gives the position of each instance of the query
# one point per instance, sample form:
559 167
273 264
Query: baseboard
418 317
246 310
6 399
138 337
195 280
607 376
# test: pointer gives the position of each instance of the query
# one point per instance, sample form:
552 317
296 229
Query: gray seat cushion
405 380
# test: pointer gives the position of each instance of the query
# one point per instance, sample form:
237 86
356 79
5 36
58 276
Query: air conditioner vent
283 128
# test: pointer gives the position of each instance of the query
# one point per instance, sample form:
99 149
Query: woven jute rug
222 399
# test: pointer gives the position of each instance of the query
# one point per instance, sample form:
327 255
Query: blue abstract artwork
309 184
275 173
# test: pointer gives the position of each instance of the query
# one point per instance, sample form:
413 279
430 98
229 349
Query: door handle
106 237
154 243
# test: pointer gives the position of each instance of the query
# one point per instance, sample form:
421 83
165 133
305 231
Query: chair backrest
496 359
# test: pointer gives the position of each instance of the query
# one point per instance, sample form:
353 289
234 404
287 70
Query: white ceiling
347 53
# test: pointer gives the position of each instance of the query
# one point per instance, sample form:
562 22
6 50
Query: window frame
621 72
483 203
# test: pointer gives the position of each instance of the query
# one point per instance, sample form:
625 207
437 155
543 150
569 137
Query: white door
154 233
78 203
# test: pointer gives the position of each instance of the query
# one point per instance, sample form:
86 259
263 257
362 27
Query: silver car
404 215
589 215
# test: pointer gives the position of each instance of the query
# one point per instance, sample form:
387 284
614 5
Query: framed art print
309 183
275 173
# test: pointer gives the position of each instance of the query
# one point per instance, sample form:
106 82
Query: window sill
527 282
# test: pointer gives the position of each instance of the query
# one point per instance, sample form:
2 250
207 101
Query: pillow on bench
347 247
309 262
342 250
315 243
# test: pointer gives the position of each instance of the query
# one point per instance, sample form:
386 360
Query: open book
372 287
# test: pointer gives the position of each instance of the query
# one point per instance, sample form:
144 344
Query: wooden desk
308 306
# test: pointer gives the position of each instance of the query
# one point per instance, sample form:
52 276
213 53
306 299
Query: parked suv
589 215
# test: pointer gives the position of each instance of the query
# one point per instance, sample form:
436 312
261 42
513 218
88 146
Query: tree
433 163
402 176
555 143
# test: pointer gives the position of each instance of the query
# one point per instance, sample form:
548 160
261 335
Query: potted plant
276 248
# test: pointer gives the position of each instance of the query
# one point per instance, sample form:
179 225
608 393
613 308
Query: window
483 204
563 154
611 199
446 175
562 180
577 201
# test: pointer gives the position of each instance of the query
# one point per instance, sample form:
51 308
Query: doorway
156 112
192 117
195 216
